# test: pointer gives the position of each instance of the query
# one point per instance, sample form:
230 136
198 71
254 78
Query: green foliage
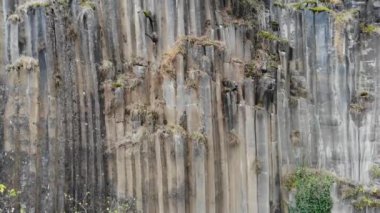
360 197
2 188
121 205
279 4
116 85
274 25
345 16
320 9
311 5
313 191
251 6
88 4
147 13
369 28
250 70
111 205
303 4
39 4
268 36
375 172
198 137
249 10
351 192
365 201
64 3
8 199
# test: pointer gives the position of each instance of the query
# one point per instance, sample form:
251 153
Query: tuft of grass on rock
179 48
369 29
320 9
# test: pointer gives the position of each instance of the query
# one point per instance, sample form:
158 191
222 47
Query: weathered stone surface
208 118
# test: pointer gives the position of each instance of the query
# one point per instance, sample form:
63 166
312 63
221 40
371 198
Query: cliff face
209 116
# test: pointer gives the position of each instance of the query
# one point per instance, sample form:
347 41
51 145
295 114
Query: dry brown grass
180 48
14 18
23 63
23 8
342 18
198 137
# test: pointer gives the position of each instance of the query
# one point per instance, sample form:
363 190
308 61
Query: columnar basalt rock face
210 117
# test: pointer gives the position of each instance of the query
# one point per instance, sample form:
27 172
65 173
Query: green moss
39 4
312 191
266 35
88 4
117 85
198 137
369 28
320 9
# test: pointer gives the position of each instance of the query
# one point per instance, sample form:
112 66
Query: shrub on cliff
312 191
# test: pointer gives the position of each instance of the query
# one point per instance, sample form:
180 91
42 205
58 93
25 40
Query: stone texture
92 108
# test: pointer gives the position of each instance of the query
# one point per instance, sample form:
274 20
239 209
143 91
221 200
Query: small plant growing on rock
23 63
268 36
105 69
369 29
116 85
357 108
345 16
32 5
320 9
303 4
167 63
8 199
365 201
88 4
64 3
233 138
275 25
350 192
279 4
375 172
14 18
198 137
295 137
312 191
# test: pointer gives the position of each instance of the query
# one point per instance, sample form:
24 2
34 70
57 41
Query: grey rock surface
208 118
